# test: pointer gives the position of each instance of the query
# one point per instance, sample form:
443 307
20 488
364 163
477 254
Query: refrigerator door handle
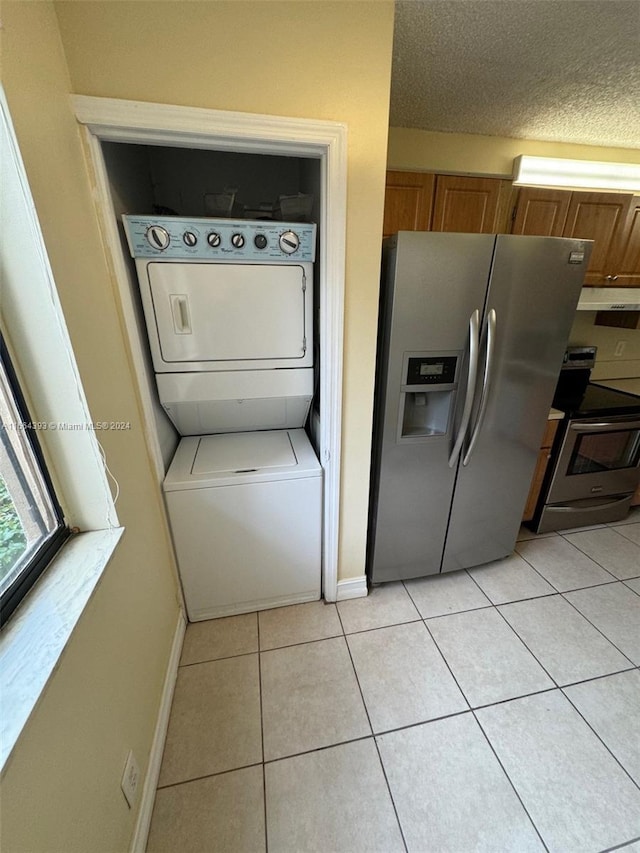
490 328
474 346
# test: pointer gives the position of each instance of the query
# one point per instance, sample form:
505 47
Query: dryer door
230 316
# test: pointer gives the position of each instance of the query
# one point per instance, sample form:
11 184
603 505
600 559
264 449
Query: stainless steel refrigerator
472 331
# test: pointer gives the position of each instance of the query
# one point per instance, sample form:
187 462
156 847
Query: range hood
609 299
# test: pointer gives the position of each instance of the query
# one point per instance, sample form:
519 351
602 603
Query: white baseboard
141 834
352 588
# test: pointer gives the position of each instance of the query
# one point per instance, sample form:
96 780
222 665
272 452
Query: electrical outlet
620 347
130 779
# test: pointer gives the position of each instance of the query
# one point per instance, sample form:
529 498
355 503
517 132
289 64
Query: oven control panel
174 238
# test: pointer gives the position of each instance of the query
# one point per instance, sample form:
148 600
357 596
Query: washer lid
241 458
243 452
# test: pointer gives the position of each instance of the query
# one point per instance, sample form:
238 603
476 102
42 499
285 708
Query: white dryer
228 307
245 511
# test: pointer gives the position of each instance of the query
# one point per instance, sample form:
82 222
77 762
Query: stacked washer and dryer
228 307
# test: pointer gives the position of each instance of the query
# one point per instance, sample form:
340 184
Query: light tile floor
491 710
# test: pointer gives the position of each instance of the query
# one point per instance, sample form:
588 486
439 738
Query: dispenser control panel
431 370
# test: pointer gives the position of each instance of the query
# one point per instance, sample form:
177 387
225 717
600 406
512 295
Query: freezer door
433 284
534 289
228 315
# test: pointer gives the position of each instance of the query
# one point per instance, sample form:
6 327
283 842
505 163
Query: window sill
33 641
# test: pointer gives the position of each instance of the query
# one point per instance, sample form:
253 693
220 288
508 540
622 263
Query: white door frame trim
112 120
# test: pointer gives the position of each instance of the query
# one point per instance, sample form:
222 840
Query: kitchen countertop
631 386
556 414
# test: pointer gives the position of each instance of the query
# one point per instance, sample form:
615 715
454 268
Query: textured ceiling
558 70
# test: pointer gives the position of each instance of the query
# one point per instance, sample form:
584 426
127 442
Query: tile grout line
446 663
555 685
509 780
514 600
215 660
586 618
264 774
628 538
382 627
302 643
530 564
472 711
582 551
534 656
393 802
622 846
375 742
208 776
630 587
631 668
614 579
606 746
439 615
317 749
582 680
551 584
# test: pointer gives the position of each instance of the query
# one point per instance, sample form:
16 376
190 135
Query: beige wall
423 150
61 786
323 60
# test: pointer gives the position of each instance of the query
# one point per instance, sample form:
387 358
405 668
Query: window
31 524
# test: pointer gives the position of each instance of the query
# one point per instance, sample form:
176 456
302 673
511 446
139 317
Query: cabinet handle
608 278
614 278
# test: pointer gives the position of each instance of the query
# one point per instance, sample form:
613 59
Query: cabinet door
536 483
598 217
408 202
625 257
467 204
541 211
544 455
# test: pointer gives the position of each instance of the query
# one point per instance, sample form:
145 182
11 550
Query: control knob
157 237
289 242
213 239
237 240
189 238
260 241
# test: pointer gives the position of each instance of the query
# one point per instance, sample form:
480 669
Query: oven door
598 456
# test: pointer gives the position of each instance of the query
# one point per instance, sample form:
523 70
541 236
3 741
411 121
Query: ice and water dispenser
427 395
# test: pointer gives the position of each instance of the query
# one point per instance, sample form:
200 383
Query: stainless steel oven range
595 465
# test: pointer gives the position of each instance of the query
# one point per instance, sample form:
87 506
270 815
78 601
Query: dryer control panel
237 240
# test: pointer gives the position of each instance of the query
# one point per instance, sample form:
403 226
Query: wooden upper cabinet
625 252
408 202
471 205
611 220
420 201
600 217
541 211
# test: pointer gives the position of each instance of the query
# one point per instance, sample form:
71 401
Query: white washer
245 512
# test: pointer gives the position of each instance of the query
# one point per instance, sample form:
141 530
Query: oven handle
594 508
608 426
474 346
